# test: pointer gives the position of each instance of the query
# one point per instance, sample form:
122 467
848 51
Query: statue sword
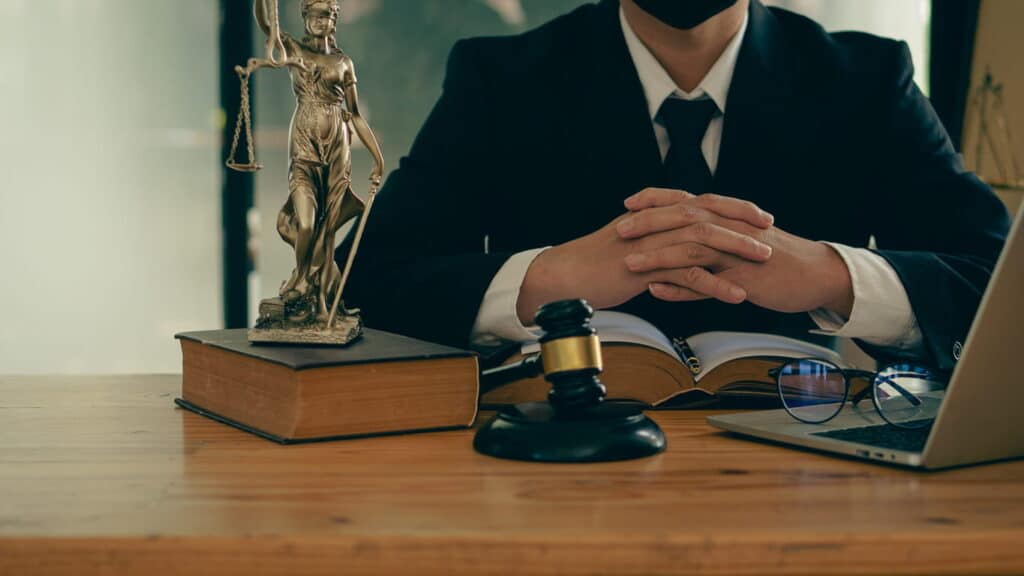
352 253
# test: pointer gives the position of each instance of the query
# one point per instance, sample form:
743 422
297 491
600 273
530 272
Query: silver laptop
981 417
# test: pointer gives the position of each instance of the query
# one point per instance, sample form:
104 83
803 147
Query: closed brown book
642 364
381 384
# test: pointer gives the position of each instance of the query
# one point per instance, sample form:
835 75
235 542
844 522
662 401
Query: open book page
624 328
712 348
716 348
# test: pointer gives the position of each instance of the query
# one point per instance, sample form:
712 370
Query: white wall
109 183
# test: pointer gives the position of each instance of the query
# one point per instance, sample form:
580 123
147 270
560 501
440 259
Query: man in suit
709 164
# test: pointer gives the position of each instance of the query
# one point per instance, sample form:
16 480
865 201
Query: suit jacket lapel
751 123
616 128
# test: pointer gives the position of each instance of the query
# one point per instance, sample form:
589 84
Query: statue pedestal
273 327
345 330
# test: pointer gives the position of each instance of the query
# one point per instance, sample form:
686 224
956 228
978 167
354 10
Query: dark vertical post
954 24
236 38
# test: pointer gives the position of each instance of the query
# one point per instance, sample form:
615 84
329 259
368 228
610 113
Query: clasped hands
682 247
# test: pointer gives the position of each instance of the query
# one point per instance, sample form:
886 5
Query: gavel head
564 319
571 354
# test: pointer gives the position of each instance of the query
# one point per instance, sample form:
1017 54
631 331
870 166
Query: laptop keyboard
883 436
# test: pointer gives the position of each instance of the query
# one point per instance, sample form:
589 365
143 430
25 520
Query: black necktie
686 122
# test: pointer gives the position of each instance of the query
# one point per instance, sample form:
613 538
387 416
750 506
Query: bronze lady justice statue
320 197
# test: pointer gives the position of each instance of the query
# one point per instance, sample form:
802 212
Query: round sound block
533 431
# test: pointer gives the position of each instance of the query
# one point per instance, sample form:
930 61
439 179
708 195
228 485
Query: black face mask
683 14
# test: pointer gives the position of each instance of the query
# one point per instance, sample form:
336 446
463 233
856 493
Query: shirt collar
658 85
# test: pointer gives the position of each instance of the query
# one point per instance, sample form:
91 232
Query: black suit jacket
538 138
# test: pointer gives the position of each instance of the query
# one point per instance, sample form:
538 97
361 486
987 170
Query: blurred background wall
999 157
110 167
109 179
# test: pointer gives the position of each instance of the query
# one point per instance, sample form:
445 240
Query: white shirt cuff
497 320
881 313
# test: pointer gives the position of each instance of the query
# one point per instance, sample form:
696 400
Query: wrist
537 287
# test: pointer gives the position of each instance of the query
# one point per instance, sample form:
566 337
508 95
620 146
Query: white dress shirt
881 313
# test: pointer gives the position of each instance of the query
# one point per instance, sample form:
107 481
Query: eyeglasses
905 395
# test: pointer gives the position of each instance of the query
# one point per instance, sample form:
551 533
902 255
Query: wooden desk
105 475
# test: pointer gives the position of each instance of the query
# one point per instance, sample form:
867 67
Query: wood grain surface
105 475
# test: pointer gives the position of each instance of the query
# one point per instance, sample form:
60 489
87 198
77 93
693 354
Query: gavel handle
497 377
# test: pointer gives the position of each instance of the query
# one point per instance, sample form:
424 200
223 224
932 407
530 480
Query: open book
642 364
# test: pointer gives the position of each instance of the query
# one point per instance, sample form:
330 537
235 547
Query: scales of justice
309 308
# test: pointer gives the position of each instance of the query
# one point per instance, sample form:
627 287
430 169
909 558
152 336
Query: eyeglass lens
813 391
908 396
